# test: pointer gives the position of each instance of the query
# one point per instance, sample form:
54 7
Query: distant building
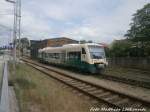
34 47
57 42
54 42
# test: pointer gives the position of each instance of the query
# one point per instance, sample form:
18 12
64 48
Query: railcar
89 57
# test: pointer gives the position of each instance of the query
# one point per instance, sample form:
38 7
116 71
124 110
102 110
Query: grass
37 92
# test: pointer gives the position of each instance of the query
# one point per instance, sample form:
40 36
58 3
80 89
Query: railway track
125 80
110 97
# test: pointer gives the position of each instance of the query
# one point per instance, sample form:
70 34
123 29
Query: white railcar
86 57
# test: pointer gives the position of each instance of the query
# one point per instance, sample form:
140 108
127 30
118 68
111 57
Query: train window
57 55
83 51
43 55
46 55
74 55
53 56
50 55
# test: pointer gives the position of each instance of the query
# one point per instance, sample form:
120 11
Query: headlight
101 65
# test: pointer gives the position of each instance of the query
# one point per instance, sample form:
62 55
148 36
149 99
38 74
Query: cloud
33 26
97 20
107 27
6 22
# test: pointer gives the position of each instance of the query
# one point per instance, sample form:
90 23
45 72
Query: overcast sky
97 20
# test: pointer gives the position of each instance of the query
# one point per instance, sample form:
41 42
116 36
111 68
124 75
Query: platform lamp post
17 24
14 34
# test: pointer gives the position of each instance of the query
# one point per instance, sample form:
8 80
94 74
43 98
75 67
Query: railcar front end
97 58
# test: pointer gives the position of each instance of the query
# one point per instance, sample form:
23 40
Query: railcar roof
81 44
69 45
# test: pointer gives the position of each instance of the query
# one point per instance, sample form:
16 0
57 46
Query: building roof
59 38
52 42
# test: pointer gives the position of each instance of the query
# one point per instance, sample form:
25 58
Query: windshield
96 52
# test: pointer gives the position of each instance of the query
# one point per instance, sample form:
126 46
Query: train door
83 54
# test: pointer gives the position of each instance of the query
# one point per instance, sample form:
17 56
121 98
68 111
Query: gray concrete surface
13 103
1 70
8 102
4 102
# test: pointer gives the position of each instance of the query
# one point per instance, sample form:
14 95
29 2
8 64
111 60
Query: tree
140 26
25 43
120 48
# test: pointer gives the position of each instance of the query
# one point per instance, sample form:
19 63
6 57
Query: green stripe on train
80 65
74 63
